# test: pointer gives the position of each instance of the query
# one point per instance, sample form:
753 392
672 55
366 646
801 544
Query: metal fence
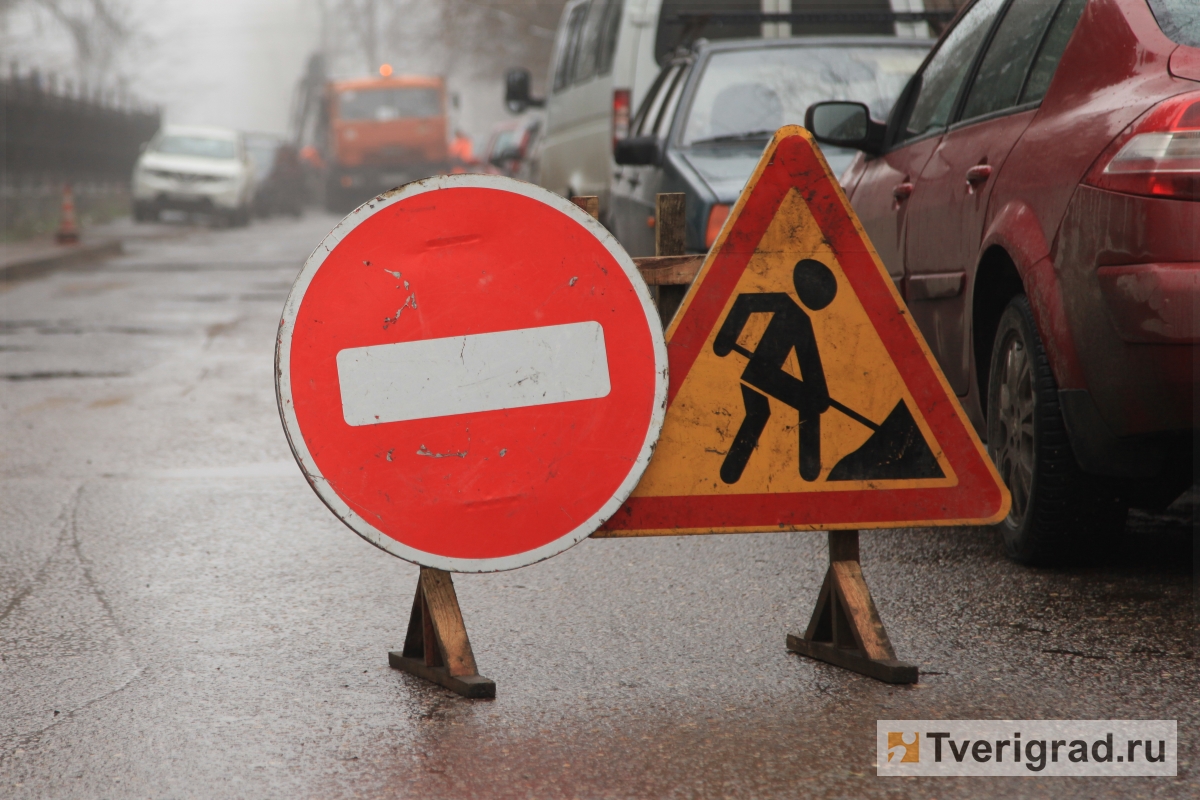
68 135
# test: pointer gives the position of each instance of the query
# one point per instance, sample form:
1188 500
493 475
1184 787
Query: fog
237 62
225 62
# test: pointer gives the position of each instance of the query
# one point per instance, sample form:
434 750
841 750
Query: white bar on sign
466 374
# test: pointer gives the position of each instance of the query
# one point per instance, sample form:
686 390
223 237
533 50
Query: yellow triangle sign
802 396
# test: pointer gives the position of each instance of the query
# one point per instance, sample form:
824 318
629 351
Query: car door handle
978 174
902 191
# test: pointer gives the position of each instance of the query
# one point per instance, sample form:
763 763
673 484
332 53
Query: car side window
1002 71
1053 45
648 114
945 72
610 28
565 67
665 114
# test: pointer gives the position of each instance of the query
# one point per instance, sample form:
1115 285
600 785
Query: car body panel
946 219
881 210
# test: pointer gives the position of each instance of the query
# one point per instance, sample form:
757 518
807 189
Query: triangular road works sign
801 395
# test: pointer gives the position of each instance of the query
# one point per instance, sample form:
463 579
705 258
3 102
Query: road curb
37 264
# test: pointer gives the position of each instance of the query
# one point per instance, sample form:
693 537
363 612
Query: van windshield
748 94
389 103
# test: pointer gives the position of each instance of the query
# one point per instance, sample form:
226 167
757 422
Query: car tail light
716 218
1158 155
620 123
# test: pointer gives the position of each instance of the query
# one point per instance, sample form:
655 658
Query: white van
608 52
603 63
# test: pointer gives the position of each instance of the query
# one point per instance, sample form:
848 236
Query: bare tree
97 30
474 37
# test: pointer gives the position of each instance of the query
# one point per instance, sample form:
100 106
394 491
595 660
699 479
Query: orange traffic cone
68 229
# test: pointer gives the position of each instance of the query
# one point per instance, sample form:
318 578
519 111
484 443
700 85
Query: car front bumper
225 194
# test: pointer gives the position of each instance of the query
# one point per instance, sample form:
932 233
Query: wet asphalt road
181 617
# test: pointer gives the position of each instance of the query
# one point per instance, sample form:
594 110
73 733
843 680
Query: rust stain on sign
801 394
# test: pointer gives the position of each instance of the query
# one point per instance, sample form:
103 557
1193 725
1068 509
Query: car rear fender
1016 257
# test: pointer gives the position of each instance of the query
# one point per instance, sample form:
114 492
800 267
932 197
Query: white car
194 169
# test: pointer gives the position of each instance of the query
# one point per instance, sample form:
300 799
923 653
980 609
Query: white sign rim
291 426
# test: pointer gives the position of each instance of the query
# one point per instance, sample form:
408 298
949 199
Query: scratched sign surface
471 373
802 396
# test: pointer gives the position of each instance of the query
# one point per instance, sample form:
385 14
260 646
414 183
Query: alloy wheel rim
1012 449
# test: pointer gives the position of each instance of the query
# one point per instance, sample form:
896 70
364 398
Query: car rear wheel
1058 513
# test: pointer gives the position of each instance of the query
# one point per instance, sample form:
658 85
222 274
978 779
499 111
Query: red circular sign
471 373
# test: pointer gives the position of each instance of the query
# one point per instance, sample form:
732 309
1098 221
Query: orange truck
377 133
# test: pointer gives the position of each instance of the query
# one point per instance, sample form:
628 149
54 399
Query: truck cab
378 133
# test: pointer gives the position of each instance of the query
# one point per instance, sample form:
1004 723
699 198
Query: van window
674 32
1002 72
610 28
1052 49
565 68
596 40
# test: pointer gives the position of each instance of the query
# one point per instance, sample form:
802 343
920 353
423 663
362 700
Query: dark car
706 118
284 189
1036 193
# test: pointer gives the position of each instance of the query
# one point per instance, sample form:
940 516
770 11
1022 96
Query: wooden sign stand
845 629
436 647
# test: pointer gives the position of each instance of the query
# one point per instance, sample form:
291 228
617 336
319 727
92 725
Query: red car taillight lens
1158 155
620 129
716 219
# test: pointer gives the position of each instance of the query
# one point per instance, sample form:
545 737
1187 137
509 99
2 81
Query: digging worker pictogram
790 328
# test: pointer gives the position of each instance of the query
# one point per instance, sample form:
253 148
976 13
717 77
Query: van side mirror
639 151
516 91
845 124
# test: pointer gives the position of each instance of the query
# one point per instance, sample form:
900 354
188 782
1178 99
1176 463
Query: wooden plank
670 235
441 604
670 226
590 204
473 686
430 651
843 546
855 597
888 671
414 641
820 627
669 270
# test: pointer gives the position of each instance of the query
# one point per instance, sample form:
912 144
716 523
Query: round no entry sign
470 373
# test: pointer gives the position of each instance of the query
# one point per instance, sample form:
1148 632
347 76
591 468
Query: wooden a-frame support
846 630
436 647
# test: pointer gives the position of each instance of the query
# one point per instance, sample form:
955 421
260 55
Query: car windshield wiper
748 136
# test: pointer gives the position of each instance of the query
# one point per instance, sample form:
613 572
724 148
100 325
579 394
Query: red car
1035 193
